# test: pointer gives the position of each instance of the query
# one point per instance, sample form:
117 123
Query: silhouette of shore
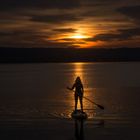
39 55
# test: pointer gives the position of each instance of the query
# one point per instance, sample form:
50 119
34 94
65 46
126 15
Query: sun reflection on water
79 69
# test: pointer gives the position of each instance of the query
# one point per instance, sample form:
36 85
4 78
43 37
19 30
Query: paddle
101 107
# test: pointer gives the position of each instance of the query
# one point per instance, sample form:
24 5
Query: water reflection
80 69
79 129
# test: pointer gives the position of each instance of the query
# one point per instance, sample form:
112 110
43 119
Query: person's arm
71 87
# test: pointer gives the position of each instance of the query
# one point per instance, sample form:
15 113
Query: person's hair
78 80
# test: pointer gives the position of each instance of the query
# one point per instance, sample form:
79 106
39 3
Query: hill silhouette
31 55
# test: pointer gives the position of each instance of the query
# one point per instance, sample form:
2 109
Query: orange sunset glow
78 38
70 24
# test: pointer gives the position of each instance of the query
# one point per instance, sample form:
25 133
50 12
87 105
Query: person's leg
76 100
81 102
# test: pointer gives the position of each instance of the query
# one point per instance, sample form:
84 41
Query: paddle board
78 114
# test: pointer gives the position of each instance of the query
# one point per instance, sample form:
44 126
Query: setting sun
78 36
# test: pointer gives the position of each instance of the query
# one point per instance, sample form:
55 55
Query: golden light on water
79 71
78 67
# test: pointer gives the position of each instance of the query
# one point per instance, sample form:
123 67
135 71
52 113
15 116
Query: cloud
21 37
54 44
31 38
131 11
37 22
122 34
58 18
39 4
64 30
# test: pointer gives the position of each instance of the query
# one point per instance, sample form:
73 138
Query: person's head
78 80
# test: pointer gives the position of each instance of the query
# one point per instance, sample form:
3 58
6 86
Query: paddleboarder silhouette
79 90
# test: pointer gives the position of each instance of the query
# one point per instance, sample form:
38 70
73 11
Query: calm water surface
38 92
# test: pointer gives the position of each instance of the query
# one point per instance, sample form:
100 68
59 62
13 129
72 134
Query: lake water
35 94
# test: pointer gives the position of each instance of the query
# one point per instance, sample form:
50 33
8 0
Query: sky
70 23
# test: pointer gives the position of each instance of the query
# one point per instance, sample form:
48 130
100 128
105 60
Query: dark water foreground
34 103
70 129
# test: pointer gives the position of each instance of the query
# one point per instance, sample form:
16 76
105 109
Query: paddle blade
101 107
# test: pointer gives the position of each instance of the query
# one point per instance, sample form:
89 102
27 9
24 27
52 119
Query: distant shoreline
27 62
67 55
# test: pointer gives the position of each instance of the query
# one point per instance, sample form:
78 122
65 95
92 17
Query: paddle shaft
101 107
89 100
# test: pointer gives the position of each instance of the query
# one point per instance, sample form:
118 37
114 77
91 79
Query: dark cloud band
60 18
17 4
123 34
131 11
